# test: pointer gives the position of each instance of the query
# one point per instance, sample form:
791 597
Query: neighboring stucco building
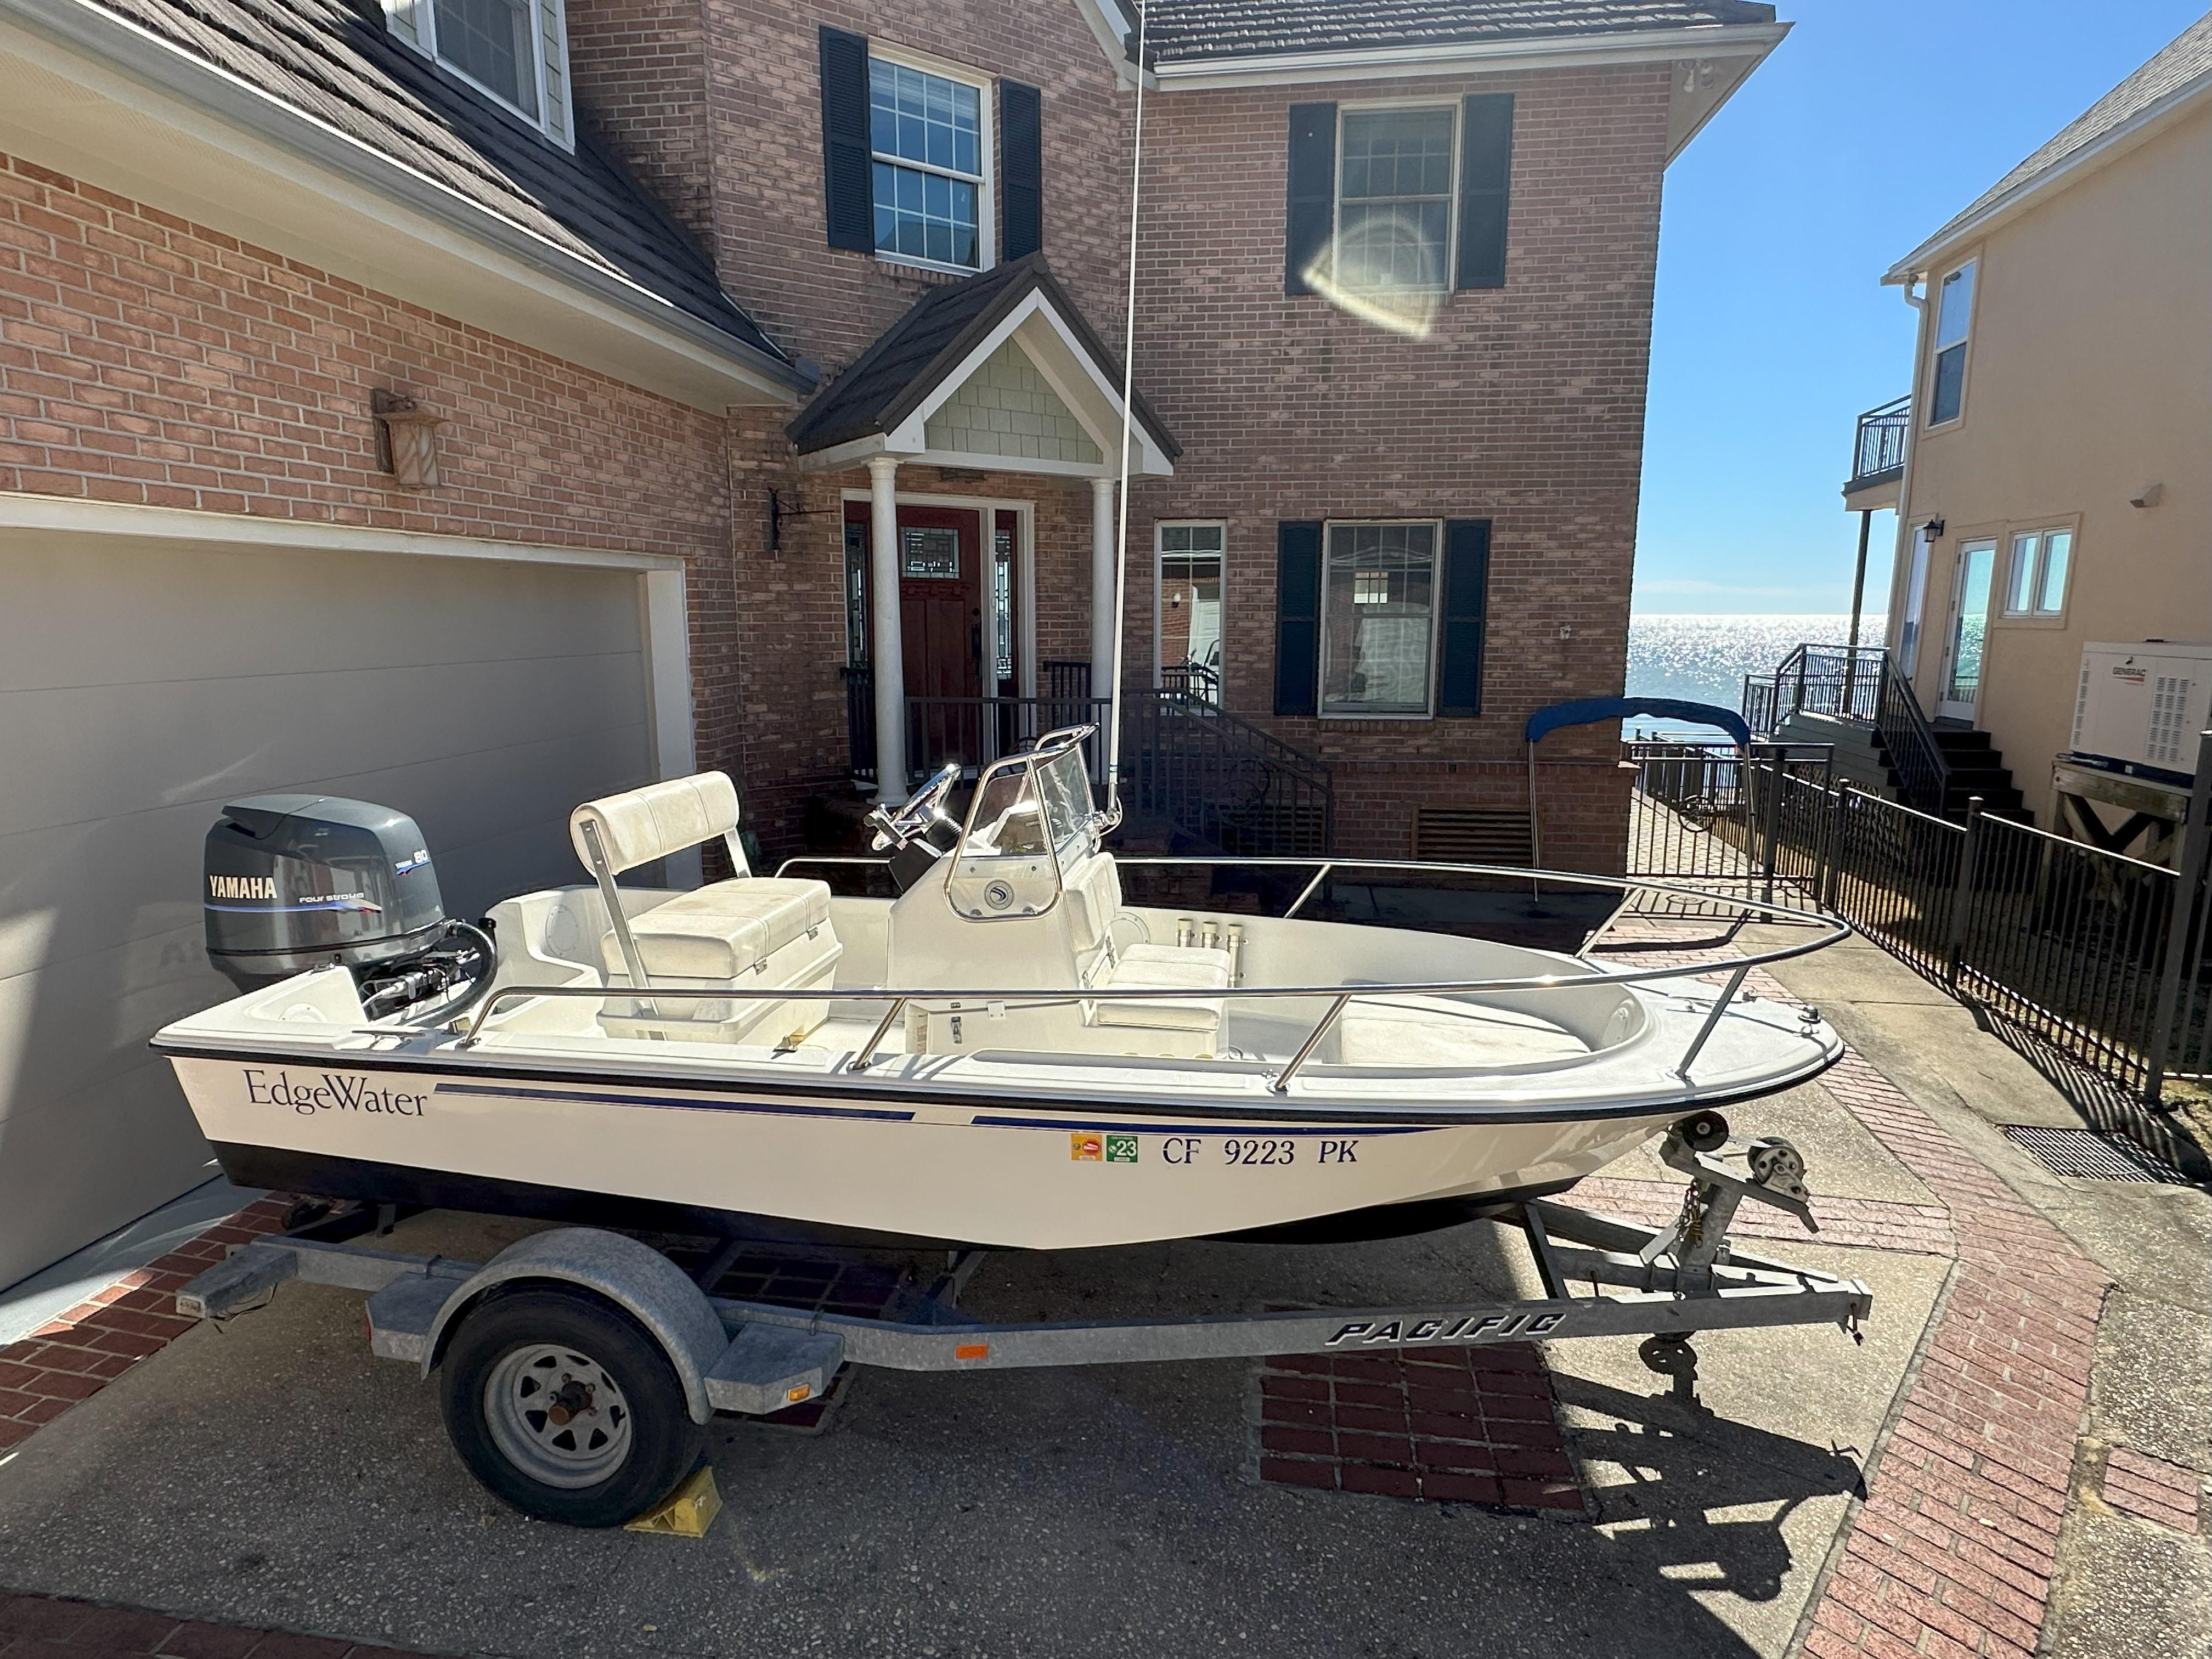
479 405
2058 483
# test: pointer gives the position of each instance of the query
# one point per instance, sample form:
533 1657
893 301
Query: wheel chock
687 1512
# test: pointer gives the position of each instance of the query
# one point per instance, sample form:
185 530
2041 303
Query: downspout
1899 567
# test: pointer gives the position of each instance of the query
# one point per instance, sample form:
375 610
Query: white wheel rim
557 1415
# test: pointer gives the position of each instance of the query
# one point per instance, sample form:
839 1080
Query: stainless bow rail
1829 930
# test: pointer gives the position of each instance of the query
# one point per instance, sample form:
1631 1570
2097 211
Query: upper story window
2035 585
929 141
1395 200
1378 619
514 50
926 162
1389 207
1954 316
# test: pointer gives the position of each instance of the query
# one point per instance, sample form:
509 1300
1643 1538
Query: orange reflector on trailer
972 1351
792 1397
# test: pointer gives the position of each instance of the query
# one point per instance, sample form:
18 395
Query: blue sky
1867 129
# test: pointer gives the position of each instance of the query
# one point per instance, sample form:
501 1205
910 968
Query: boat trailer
758 1358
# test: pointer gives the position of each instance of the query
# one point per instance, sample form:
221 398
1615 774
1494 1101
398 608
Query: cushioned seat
1164 968
720 932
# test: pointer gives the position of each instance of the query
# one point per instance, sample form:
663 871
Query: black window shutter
1021 167
1298 616
1467 604
1309 216
1485 181
847 169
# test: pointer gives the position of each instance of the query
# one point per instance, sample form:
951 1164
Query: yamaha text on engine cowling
297 881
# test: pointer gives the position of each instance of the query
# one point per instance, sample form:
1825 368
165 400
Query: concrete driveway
270 1473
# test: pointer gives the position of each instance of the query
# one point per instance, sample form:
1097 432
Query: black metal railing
976 731
1062 677
1223 781
1907 738
860 721
1697 814
1878 452
973 731
1856 683
2075 953
1193 679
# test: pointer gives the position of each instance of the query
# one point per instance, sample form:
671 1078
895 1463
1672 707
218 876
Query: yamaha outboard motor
295 881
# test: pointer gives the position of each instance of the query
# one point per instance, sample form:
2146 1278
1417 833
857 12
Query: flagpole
1129 384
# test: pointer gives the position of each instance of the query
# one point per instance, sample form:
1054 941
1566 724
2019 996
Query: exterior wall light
406 439
1933 530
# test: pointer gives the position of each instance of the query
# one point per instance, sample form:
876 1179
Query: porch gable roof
923 358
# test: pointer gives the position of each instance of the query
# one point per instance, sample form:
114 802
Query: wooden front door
946 642
941 589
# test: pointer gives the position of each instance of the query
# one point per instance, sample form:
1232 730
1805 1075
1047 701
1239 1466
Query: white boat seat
722 931
1164 968
641 825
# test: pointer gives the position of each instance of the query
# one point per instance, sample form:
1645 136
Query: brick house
477 405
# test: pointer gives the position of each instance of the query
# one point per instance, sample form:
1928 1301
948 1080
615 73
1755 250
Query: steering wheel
895 826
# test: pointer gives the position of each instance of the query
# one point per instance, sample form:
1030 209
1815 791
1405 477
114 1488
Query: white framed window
1397 194
1378 617
1190 572
1954 321
2035 578
514 51
931 145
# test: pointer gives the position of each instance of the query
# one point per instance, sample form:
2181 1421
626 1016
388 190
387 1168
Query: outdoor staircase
1976 768
1202 780
1855 698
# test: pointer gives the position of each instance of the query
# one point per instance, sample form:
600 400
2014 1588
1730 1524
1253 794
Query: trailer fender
634 1276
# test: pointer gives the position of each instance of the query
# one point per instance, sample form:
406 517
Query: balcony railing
1878 454
1193 679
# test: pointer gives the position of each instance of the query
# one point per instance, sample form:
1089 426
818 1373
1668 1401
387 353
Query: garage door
140 691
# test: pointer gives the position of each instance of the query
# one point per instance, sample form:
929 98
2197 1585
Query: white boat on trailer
1004 1054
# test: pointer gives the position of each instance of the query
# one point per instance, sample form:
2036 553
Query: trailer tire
565 1408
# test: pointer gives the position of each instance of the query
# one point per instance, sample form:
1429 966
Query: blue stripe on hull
868 1114
875 1115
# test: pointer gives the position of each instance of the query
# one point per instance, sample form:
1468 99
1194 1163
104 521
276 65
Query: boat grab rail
1832 930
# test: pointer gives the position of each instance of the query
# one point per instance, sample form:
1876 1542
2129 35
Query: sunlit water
1704 659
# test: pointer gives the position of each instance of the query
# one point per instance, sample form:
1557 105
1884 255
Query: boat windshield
1065 789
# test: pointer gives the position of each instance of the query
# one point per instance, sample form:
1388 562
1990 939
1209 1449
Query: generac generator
2140 708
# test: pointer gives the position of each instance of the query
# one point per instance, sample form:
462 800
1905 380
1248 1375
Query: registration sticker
1121 1149
1086 1147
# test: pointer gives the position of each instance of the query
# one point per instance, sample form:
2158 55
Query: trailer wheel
565 1408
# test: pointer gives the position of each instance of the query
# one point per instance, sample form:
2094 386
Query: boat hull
1016 1173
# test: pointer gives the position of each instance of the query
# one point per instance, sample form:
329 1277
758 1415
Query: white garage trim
662 601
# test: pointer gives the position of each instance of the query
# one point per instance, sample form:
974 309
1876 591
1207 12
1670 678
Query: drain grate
2089 1156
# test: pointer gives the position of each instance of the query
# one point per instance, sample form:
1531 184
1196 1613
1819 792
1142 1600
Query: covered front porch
999 384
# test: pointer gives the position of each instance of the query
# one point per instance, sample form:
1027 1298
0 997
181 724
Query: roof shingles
1188 30
2186 59
889 380
334 61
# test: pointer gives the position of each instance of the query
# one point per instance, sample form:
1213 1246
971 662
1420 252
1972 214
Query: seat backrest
1093 898
641 825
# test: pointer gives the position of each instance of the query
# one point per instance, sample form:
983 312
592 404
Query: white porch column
886 653
1104 622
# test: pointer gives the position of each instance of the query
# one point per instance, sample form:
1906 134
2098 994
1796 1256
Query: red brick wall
639 71
766 92
147 360
1524 406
